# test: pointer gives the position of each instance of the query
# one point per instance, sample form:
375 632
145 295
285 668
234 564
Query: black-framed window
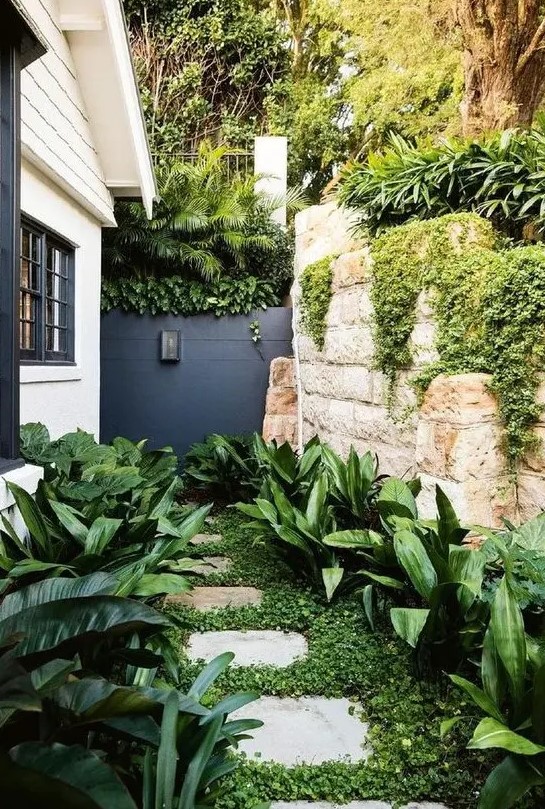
46 317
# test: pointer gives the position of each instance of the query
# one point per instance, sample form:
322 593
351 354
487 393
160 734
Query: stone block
476 501
307 349
326 805
213 564
422 344
531 495
366 307
447 451
349 345
281 402
344 308
424 309
252 648
352 268
206 539
211 598
281 429
307 730
282 372
534 461
459 399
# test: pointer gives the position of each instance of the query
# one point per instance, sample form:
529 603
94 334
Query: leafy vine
489 306
315 298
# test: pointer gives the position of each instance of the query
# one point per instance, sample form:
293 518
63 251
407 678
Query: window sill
27 477
50 373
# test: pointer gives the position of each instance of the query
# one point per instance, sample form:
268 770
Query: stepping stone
211 598
326 805
425 805
252 648
306 730
213 564
351 805
206 539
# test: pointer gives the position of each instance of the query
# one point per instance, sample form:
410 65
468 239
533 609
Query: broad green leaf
386 581
479 697
353 539
491 669
31 515
412 556
198 763
509 637
40 769
67 621
100 534
531 535
153 584
409 623
55 589
491 733
538 706
209 674
397 492
167 755
332 577
368 597
509 781
69 519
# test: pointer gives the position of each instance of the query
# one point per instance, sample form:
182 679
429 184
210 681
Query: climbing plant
489 306
315 297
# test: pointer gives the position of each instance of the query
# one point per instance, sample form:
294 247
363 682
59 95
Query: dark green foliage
74 714
499 177
219 59
101 507
316 506
180 296
316 294
224 465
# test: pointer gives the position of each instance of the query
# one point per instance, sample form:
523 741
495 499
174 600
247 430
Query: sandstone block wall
281 407
454 439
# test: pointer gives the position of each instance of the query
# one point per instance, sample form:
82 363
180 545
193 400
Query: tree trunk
504 63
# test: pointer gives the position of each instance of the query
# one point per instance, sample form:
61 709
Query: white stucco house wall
82 144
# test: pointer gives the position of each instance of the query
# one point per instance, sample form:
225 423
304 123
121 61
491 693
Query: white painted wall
65 398
55 130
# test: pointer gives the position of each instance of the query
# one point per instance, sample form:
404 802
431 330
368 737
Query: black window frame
20 44
40 355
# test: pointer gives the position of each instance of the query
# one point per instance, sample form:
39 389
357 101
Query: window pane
55 339
28 321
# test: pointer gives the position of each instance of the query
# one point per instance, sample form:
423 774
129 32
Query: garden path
300 729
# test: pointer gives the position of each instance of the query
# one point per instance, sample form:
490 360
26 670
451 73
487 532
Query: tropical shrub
204 224
301 534
295 473
225 465
70 733
512 675
101 507
499 177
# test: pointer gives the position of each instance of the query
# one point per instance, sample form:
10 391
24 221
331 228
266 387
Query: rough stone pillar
459 447
280 421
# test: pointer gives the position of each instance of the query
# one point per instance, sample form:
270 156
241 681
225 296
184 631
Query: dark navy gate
219 385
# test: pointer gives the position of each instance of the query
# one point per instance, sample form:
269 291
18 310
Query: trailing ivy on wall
315 298
489 306
178 296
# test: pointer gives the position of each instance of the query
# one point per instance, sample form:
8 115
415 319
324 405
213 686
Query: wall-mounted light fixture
171 345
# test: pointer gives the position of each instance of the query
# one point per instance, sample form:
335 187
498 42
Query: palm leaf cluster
204 222
501 177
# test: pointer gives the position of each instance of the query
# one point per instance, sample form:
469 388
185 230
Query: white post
271 160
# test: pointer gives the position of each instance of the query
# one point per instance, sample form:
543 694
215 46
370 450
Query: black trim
10 162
